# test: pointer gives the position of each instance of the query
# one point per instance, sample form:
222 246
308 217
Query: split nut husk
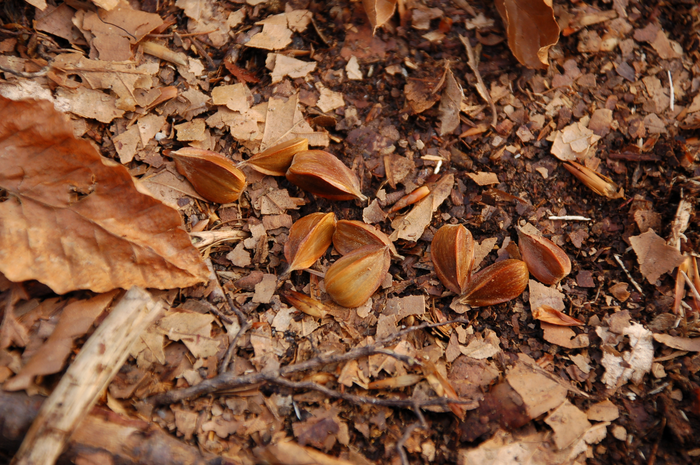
497 283
547 262
352 234
353 279
452 252
322 174
309 238
276 160
598 183
212 175
305 303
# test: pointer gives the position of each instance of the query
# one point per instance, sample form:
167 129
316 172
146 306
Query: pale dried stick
98 362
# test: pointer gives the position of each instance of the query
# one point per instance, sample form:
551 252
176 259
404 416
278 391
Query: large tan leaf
531 29
74 220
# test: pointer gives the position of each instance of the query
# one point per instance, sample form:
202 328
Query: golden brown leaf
212 175
379 12
452 252
353 279
497 283
546 260
276 160
74 220
309 238
553 316
322 174
532 30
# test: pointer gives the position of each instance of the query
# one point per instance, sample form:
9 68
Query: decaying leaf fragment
532 30
553 316
411 226
74 220
379 12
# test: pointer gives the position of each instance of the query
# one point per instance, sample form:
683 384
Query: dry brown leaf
412 225
654 256
483 178
553 316
74 221
450 104
531 28
75 320
568 423
285 452
379 12
681 343
563 336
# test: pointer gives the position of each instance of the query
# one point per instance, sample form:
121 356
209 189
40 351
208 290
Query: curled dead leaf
452 252
601 185
212 175
497 283
532 30
353 279
309 238
546 260
276 160
553 316
323 174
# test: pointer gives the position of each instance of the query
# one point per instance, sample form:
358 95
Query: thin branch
401 442
244 326
228 380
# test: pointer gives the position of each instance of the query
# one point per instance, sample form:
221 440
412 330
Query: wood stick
92 370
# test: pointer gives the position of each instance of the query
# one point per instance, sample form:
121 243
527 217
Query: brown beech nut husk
452 252
304 303
212 175
323 174
309 238
276 160
497 283
350 235
547 262
353 278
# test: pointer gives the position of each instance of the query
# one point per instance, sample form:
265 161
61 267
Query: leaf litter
231 361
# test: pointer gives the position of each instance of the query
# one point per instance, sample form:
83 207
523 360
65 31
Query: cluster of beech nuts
366 251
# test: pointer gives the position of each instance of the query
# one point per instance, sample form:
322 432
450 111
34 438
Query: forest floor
234 373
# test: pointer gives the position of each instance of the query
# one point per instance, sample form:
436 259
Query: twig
672 104
244 326
401 442
228 380
42 72
629 275
569 218
691 286
480 87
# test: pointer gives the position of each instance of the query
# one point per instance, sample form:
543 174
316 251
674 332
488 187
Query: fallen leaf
379 12
76 221
654 256
634 363
412 225
603 411
574 142
484 179
532 30
553 316
193 329
75 320
564 336
688 344
568 424
450 104
540 394
282 65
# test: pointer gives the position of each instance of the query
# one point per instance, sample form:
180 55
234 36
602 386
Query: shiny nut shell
276 160
495 284
351 234
547 262
212 175
452 252
309 238
353 278
322 174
